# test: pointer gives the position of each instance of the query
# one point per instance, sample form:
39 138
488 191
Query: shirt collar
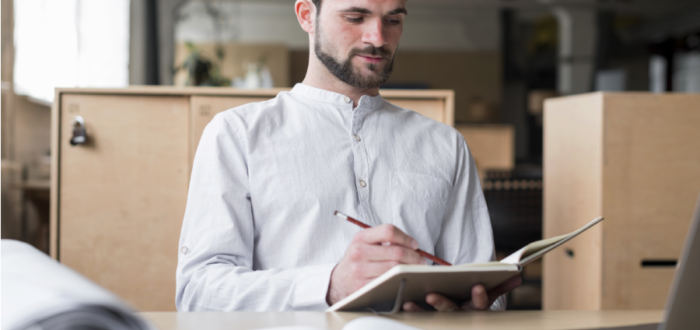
366 101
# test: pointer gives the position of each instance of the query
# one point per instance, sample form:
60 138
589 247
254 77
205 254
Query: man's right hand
372 252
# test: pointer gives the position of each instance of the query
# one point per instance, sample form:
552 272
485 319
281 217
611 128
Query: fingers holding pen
385 253
387 233
368 256
371 270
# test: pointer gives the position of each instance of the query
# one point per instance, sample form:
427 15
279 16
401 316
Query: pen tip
335 213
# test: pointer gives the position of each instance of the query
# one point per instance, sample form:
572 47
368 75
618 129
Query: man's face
357 39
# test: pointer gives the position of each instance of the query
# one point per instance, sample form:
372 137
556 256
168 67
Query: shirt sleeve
466 235
215 257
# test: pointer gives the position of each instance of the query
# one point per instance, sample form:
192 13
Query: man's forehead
368 6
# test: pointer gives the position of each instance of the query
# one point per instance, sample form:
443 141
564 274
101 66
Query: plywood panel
651 182
433 109
572 197
432 103
492 146
122 195
634 157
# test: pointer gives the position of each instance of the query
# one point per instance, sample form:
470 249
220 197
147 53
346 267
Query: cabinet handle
79 133
659 263
569 253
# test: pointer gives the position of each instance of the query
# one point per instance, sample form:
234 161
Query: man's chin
369 84
370 70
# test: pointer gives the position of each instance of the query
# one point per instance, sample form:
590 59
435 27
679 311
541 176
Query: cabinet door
204 108
122 194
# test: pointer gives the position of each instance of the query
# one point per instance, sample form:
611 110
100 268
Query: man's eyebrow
366 11
398 11
357 10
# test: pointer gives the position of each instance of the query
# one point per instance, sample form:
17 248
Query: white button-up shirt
259 231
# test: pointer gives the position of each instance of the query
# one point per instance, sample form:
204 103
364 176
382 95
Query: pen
421 252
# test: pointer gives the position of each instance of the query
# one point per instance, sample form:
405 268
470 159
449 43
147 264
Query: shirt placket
361 166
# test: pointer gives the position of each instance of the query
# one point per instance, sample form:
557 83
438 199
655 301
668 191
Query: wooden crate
117 202
633 158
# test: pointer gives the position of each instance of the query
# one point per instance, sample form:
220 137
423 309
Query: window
70 43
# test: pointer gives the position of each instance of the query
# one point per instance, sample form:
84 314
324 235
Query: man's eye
353 19
393 21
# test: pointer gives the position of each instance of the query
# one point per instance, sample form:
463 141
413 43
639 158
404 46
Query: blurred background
502 58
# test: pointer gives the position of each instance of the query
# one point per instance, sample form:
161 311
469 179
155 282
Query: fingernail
414 245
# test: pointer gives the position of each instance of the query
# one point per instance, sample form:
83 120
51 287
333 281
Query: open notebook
454 282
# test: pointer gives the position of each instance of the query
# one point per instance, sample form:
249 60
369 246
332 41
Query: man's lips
371 59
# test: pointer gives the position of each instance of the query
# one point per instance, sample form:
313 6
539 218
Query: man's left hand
481 300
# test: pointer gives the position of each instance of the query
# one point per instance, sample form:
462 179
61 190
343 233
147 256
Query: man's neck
318 76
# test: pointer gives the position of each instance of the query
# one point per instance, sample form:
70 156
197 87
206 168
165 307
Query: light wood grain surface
633 158
123 193
492 146
572 197
651 180
522 320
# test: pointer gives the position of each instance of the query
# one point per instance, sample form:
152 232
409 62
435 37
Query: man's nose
374 33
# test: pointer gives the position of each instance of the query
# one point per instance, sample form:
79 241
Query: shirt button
363 183
357 138
347 99
184 250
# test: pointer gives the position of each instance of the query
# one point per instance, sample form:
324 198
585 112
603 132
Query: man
259 231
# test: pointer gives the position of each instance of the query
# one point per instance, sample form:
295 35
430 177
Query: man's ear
306 14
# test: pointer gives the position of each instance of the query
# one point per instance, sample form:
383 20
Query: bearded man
259 232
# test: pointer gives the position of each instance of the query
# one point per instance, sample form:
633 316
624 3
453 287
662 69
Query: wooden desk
522 320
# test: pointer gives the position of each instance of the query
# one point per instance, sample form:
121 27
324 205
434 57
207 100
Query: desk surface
522 320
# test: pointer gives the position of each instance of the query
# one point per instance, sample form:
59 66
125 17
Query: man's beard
347 73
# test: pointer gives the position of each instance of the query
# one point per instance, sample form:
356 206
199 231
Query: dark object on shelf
514 199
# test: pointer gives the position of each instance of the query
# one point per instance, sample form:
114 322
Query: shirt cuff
311 287
499 304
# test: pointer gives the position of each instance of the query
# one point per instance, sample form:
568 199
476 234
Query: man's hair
318 6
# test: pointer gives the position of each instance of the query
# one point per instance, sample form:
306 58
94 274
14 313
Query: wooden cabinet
123 193
633 158
117 201
491 145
